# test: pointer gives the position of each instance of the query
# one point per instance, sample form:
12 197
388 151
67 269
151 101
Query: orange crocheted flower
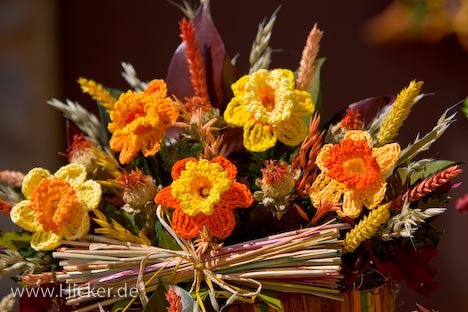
354 172
140 120
203 194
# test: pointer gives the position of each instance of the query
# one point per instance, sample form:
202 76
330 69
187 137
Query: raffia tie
202 271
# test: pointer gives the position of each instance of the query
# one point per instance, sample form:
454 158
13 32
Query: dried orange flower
352 120
140 119
277 178
353 171
138 188
5 207
203 194
79 145
80 152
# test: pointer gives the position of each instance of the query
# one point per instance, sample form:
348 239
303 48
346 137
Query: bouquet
211 189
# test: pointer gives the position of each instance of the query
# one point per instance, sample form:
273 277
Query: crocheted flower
354 171
56 206
140 119
203 194
269 108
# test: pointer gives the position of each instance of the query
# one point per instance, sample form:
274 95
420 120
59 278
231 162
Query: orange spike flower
140 119
353 171
195 62
203 194
174 300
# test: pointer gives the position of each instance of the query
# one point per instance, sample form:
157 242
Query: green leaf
119 306
314 85
273 302
141 163
465 107
157 301
430 169
152 166
105 119
165 240
15 240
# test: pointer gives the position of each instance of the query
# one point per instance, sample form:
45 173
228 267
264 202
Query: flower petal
151 146
236 113
292 131
89 193
227 165
179 166
125 143
164 197
325 189
221 222
282 77
157 87
323 156
352 205
32 179
358 135
258 137
167 112
386 156
372 197
45 240
186 226
74 174
22 215
238 86
303 105
76 227
238 196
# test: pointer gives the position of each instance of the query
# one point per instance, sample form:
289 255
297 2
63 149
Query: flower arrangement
210 189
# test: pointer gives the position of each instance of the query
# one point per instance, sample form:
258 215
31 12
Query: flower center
134 114
201 186
351 162
267 97
355 165
54 202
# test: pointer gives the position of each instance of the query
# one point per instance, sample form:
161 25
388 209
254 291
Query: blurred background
45 45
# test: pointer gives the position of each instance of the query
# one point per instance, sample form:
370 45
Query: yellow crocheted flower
354 172
200 186
269 108
56 206
140 120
